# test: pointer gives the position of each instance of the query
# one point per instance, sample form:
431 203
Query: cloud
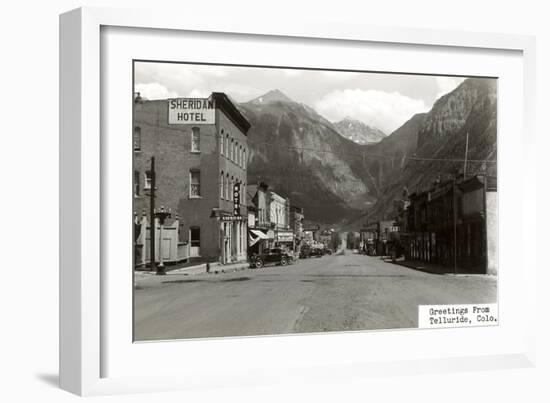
154 91
447 84
384 110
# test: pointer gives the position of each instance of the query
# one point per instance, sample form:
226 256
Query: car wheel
283 262
258 264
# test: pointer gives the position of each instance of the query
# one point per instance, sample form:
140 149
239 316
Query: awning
259 234
254 236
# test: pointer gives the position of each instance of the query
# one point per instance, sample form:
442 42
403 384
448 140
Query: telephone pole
152 216
466 156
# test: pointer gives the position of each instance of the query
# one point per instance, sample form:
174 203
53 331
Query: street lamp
162 215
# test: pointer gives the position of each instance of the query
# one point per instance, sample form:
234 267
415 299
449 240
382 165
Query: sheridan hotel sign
197 111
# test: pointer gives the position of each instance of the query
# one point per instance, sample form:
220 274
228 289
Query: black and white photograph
270 200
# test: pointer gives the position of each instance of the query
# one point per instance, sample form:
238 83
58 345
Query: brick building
200 149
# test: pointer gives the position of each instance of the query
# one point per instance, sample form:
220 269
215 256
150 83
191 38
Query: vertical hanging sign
236 200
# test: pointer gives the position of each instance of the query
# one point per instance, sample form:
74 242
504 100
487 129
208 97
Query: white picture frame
85 344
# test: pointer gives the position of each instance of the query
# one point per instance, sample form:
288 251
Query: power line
362 154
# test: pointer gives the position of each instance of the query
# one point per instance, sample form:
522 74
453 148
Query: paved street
332 293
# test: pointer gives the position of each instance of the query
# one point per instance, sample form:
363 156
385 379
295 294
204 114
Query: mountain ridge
304 156
358 131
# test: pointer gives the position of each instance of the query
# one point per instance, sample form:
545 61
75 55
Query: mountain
441 143
387 159
271 96
359 132
301 155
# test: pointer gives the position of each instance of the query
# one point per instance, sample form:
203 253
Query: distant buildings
297 223
376 237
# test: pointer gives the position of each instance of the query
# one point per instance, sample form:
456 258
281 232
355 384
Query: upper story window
195 140
231 150
227 190
195 188
137 138
221 143
244 158
222 185
136 183
227 145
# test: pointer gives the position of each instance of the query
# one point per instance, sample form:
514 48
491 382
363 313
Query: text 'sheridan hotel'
196 111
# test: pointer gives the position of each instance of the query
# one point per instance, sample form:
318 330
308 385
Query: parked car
275 255
327 251
316 252
305 252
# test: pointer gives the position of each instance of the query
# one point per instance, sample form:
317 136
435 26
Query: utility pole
152 216
466 156
455 222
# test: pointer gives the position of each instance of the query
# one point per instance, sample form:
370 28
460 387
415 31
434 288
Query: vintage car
275 255
305 252
317 252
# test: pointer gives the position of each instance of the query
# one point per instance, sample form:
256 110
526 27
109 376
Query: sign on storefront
285 236
197 111
231 218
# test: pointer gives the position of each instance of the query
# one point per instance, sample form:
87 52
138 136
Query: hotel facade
200 155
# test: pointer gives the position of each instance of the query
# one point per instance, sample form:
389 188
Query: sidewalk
432 268
215 268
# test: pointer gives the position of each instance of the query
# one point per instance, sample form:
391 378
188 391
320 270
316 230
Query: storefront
285 239
257 241
233 239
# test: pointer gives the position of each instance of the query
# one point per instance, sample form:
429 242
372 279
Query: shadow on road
357 275
227 280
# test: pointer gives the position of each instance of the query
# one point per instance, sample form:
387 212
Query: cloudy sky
385 101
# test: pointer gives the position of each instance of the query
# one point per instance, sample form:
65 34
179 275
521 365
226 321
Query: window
148 180
136 183
227 145
244 158
137 138
195 190
195 241
195 140
231 150
195 235
243 193
221 143
227 191
222 186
